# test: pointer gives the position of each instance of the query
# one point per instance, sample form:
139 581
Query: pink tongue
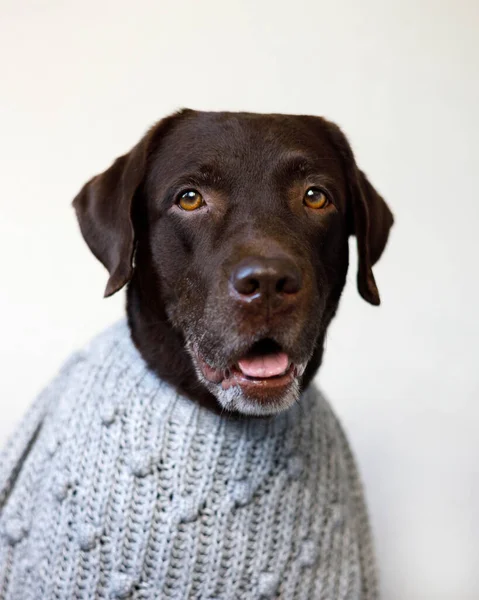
264 366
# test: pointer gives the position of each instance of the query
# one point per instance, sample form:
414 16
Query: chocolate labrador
231 231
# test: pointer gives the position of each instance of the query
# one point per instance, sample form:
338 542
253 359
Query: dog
185 454
231 231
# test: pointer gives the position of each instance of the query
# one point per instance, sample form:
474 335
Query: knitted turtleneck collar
114 486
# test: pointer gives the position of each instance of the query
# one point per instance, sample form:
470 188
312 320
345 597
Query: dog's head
232 231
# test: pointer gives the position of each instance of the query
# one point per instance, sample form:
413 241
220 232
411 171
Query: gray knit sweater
114 486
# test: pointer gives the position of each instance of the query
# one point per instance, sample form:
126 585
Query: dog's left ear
369 217
103 209
372 221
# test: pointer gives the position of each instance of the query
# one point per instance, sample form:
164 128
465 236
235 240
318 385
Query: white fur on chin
234 399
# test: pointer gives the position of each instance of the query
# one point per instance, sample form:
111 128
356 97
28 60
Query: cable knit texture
115 486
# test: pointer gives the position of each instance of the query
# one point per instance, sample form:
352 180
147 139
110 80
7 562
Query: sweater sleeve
13 455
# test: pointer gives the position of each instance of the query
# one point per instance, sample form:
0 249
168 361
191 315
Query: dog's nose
267 278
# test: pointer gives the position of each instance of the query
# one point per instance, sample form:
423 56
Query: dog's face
238 226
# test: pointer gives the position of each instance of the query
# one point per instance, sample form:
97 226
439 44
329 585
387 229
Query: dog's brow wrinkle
199 178
294 164
207 174
210 174
300 165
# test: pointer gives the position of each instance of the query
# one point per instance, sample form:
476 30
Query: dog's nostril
280 284
246 285
291 284
246 279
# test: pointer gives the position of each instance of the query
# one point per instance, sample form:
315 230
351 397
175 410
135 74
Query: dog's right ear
104 208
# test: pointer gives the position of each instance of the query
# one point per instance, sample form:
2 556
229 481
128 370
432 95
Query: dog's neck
163 348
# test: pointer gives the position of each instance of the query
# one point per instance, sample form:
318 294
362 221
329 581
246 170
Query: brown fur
253 169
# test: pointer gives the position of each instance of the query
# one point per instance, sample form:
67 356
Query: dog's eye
190 200
315 198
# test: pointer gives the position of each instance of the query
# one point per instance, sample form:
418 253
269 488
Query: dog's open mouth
265 366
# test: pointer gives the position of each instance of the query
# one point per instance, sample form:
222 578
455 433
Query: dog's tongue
261 367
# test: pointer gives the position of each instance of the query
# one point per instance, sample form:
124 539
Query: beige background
80 82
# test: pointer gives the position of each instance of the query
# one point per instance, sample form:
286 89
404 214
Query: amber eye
315 198
190 200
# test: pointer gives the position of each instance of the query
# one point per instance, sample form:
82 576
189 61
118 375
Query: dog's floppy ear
103 209
369 217
372 221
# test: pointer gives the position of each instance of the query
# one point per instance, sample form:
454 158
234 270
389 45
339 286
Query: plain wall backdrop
81 82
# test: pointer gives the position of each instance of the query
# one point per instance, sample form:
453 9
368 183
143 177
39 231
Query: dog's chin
239 399
261 381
